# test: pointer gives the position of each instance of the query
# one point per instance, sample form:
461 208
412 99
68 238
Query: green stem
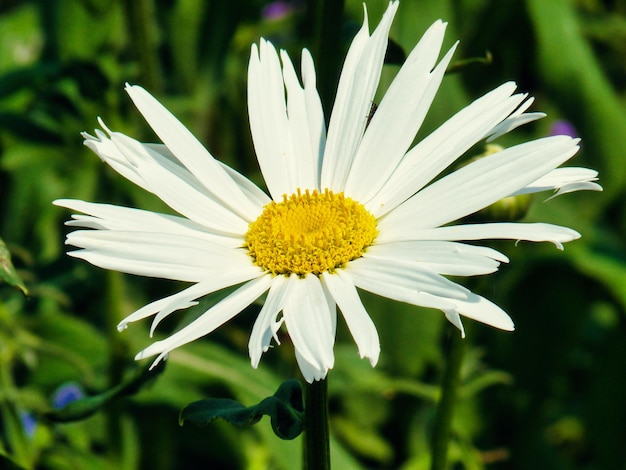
142 30
445 407
117 357
329 52
316 436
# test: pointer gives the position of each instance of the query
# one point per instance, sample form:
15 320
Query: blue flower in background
29 422
66 394
277 10
563 127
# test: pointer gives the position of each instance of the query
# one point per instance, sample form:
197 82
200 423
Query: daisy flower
354 207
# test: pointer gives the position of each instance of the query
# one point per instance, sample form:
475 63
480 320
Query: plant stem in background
316 437
117 357
142 31
329 52
445 407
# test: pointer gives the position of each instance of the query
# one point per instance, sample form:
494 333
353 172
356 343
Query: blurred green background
548 396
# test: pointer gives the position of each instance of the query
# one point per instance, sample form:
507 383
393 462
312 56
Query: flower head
354 207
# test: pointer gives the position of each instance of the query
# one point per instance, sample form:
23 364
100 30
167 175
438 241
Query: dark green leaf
85 407
395 54
28 129
7 271
8 464
91 80
30 77
285 409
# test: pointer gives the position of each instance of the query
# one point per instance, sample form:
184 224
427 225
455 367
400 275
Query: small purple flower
66 394
277 10
562 127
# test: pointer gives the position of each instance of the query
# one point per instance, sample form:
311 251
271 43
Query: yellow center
310 233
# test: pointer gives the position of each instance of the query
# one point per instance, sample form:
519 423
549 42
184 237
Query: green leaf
285 409
85 407
7 271
563 53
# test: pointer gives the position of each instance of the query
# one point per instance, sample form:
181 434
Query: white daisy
352 208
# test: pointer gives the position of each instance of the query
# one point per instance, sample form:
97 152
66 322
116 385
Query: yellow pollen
310 233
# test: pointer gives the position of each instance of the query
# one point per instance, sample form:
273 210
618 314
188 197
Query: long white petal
355 92
515 120
534 232
269 125
480 309
126 219
407 283
216 316
408 274
156 255
249 189
309 321
317 124
359 322
265 327
443 257
442 147
188 150
479 184
175 186
399 116
103 146
305 155
184 298
564 180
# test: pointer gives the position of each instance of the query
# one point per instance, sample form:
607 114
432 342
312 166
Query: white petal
399 116
179 189
305 152
156 255
216 316
479 184
268 119
126 219
309 371
309 322
180 300
249 189
355 92
534 232
515 120
404 281
184 299
573 187
220 281
564 180
454 318
480 309
102 146
317 124
443 257
265 327
188 150
442 147
359 322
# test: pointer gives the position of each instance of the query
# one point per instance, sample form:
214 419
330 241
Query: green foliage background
549 395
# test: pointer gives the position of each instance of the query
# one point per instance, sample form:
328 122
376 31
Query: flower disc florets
310 233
